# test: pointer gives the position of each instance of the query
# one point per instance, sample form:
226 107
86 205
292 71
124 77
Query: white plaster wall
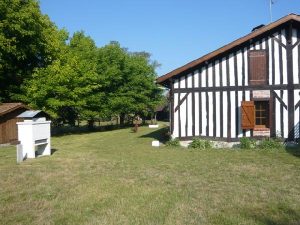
197 114
233 120
225 108
196 79
176 83
231 70
295 58
211 121
270 61
224 72
182 82
296 120
210 75
285 114
277 115
203 108
276 58
176 124
183 116
218 115
217 73
246 65
190 116
284 59
203 77
240 98
189 81
239 67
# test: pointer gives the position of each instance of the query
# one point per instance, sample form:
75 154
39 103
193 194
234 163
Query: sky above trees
174 31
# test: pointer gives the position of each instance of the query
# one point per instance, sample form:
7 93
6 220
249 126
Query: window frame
251 81
267 117
246 124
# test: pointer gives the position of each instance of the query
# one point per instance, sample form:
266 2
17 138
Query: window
261 114
255 114
257 67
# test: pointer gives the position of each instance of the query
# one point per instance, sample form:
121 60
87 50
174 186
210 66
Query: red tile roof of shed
163 79
9 107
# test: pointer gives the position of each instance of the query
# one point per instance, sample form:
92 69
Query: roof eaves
16 106
225 48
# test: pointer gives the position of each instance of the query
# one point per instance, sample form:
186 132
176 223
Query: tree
129 81
69 86
28 40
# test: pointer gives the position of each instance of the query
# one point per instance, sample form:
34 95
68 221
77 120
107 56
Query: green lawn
116 177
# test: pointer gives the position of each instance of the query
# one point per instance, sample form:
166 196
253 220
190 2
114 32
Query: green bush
173 142
200 144
247 143
270 143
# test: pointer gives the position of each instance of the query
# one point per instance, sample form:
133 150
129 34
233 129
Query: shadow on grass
53 150
293 150
284 215
161 135
67 130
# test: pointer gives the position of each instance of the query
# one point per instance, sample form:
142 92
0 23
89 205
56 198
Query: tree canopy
28 40
70 78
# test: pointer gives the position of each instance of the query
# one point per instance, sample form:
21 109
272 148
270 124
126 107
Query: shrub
270 143
200 144
247 143
173 143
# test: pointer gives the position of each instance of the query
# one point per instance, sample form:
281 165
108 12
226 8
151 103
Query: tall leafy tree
129 81
66 88
83 47
28 40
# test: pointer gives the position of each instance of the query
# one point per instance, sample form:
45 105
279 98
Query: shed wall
8 126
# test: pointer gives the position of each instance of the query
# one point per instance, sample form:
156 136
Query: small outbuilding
8 121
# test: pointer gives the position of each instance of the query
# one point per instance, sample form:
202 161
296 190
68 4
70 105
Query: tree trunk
91 124
122 119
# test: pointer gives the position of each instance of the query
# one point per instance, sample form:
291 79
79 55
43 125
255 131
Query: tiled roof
9 107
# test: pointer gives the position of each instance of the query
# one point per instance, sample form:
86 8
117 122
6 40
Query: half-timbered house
248 88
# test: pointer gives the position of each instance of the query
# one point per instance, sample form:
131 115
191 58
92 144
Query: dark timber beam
289 55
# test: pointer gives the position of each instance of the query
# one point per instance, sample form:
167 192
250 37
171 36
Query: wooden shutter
257 67
248 114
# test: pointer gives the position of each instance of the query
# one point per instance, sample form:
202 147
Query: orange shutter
248 114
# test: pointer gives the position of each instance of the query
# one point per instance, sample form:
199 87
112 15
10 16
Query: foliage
67 88
128 81
200 144
271 143
28 40
247 143
173 143
72 78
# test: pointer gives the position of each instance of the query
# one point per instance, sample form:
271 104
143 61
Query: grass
116 177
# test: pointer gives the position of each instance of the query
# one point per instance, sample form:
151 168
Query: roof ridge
228 46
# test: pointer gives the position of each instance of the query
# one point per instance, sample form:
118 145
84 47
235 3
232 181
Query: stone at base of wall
215 144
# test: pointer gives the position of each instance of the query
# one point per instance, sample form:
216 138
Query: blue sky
175 32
